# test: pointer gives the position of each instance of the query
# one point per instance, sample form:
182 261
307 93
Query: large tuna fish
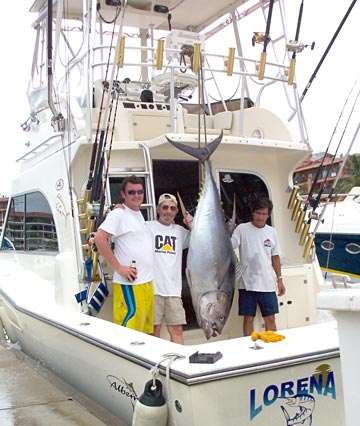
211 262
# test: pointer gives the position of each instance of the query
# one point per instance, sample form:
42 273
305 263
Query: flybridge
150 13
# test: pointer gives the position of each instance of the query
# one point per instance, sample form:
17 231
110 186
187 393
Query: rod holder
159 54
196 58
308 246
296 209
300 221
304 234
121 53
94 263
230 61
90 223
84 200
291 71
292 198
261 67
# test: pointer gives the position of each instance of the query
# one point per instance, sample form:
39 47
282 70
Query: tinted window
30 224
14 227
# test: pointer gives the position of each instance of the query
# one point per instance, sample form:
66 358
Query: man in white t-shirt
259 254
133 287
168 241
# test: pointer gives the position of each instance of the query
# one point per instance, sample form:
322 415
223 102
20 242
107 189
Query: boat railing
170 82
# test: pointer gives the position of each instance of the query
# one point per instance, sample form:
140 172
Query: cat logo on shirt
165 244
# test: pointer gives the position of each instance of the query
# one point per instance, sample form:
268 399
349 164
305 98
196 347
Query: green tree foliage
352 175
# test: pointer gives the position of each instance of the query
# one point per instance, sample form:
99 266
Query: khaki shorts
169 310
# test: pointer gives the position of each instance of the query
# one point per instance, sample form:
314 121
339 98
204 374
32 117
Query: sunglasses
172 208
134 191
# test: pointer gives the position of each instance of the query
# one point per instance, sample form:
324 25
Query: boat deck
32 395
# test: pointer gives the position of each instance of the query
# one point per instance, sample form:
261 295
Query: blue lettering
268 390
302 386
287 389
330 385
254 411
316 384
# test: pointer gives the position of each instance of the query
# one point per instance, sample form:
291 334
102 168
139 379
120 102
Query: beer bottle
133 264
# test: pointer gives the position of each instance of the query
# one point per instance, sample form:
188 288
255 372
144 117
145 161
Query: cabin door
244 188
183 177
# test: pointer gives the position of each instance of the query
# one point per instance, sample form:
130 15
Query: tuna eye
222 319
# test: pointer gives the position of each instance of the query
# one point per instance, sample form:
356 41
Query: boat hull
114 374
342 258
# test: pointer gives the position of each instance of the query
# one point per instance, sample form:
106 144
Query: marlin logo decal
304 405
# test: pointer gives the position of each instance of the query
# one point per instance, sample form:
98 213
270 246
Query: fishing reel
294 46
260 38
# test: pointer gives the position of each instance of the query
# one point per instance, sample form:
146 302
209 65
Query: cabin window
327 245
30 225
352 248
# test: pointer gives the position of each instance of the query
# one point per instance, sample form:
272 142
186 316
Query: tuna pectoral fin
239 270
188 276
201 154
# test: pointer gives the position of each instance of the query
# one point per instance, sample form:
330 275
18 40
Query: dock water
30 395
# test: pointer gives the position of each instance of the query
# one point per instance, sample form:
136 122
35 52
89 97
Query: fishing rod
310 200
321 190
263 38
103 195
118 51
295 47
327 50
312 236
94 152
57 121
332 189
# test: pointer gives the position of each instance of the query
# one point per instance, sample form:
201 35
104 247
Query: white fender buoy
151 409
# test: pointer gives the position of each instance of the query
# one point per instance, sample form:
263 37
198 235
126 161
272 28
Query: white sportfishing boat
110 79
337 238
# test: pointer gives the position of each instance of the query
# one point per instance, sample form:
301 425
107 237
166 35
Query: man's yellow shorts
134 306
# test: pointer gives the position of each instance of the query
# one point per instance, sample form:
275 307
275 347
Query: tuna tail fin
201 154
